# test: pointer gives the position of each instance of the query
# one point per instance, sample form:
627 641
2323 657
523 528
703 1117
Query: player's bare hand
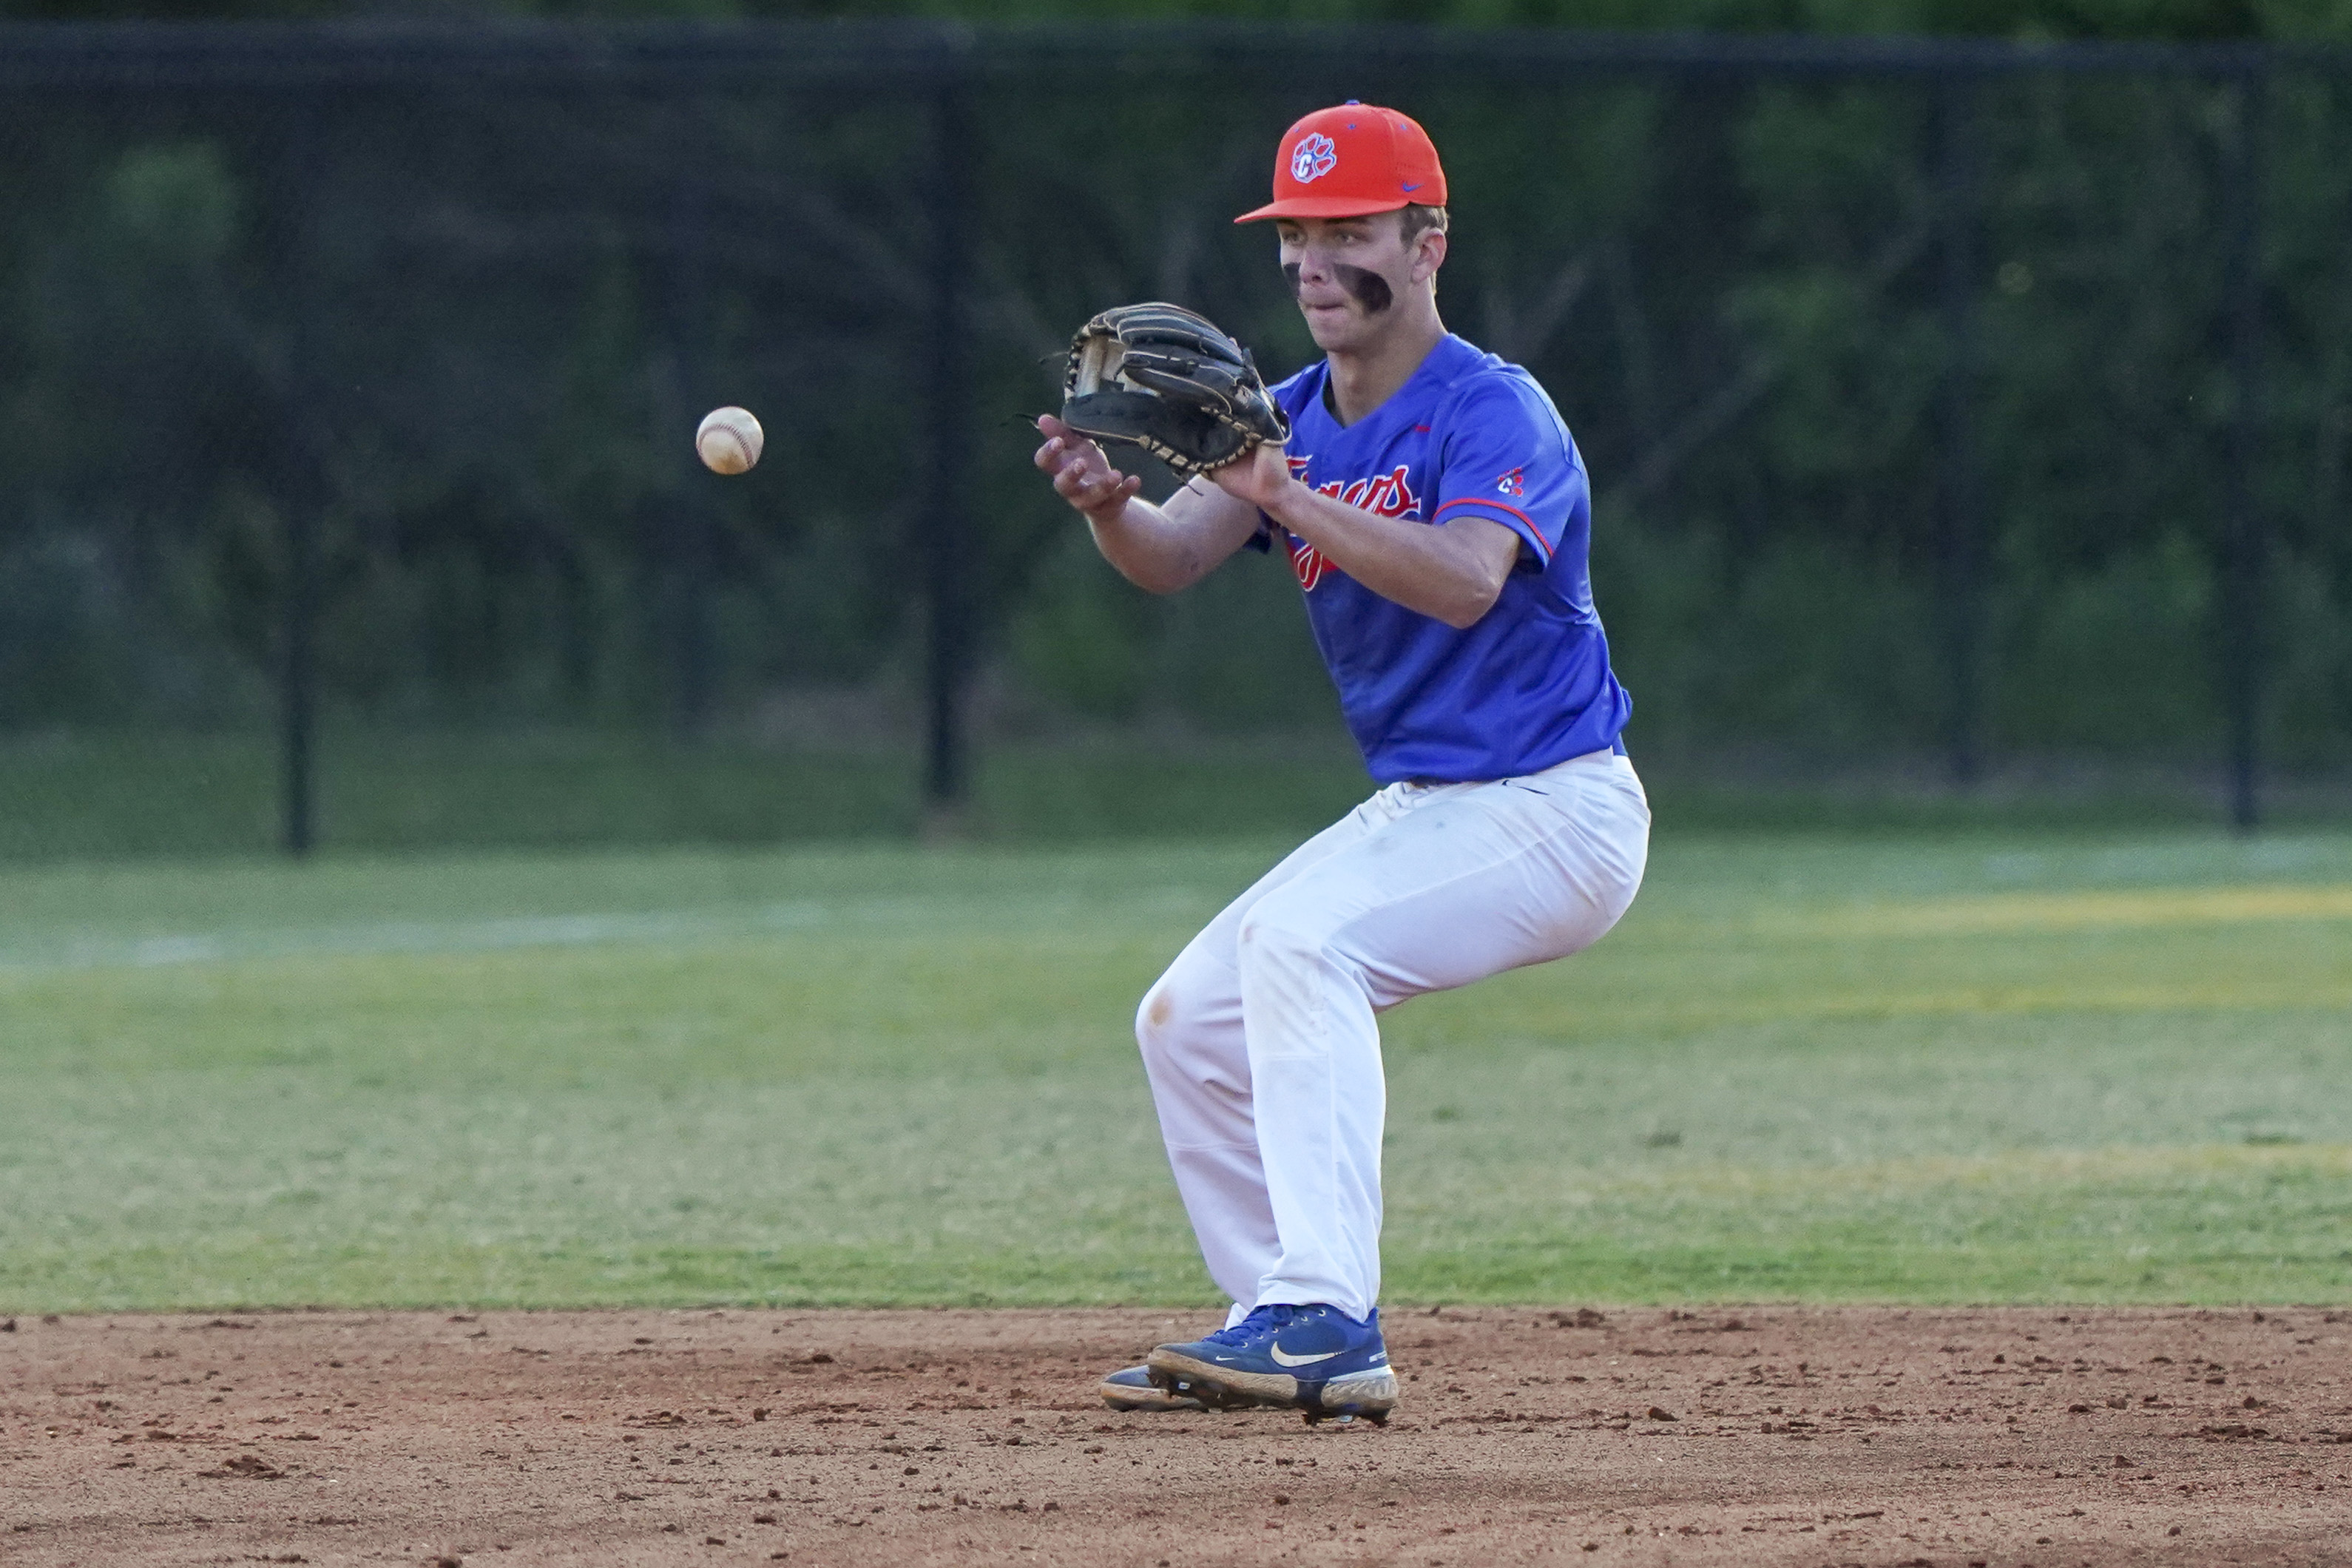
1260 479
1081 474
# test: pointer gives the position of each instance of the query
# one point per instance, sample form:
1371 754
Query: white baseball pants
1260 1041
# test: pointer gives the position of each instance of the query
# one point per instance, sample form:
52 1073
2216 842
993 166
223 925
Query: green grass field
1995 1066
95 795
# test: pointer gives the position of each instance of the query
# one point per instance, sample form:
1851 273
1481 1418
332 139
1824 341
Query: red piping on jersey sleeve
1498 506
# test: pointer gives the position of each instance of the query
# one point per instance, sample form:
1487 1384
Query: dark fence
1941 397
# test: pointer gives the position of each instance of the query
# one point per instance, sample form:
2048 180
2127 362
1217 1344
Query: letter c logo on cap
1313 158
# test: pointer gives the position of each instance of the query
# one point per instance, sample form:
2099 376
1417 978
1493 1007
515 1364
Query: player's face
1348 274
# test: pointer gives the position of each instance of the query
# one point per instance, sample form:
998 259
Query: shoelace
1260 1319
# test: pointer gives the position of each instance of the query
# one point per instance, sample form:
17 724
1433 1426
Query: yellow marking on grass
2190 994
2217 991
2105 909
2040 1171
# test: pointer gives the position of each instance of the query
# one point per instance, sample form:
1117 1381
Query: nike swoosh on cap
1412 187
1283 1358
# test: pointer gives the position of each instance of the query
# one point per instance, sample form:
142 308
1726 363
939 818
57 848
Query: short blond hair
1413 221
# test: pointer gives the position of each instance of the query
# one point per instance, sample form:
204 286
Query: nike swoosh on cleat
1282 1358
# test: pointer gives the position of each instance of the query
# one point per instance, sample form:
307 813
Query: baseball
729 440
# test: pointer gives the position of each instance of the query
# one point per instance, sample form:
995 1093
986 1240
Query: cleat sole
1371 1394
1158 1397
1222 1385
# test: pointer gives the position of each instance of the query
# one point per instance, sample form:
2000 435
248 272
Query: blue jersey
1529 685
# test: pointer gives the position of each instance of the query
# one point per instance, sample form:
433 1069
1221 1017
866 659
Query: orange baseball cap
1356 159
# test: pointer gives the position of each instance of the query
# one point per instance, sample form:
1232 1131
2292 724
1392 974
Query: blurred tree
2176 19
1729 285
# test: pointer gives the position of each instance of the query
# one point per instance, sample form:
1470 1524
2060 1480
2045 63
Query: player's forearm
1432 571
1158 553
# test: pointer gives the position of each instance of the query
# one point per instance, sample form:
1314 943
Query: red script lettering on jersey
1383 495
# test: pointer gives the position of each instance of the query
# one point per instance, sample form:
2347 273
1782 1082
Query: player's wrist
1107 514
1279 502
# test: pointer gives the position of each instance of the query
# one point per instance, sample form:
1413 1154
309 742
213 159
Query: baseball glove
1160 377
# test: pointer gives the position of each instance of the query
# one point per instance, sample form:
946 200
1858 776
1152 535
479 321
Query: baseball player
1437 517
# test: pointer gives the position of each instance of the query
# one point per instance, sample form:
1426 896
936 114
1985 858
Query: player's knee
1159 1017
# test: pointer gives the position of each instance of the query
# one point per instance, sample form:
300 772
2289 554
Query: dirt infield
1755 1436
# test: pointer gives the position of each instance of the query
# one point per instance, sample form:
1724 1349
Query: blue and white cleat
1132 1389
1314 1359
